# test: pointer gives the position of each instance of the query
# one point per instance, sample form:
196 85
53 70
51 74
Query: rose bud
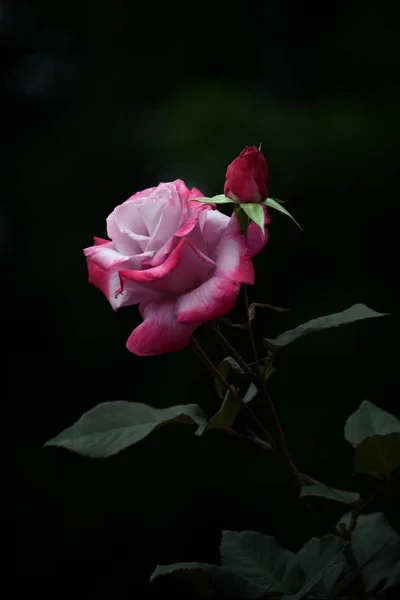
247 176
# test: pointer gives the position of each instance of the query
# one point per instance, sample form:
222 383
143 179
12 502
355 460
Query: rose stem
249 329
262 432
275 426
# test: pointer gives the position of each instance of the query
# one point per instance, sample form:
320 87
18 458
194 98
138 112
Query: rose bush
183 262
247 176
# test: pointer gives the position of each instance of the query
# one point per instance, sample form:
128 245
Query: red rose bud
247 176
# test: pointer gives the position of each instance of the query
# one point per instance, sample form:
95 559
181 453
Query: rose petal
160 332
142 194
106 257
217 296
126 228
255 240
170 217
151 212
108 282
214 298
215 224
162 254
240 183
232 255
184 191
99 241
184 269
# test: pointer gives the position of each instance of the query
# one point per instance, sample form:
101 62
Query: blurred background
103 99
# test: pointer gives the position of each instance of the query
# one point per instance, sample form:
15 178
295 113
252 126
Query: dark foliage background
102 99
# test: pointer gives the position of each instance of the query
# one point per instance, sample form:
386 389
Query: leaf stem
258 426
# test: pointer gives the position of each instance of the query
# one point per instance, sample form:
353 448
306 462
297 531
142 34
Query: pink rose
247 177
182 262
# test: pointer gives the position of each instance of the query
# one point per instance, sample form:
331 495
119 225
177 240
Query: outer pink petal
217 296
108 282
160 332
255 240
183 190
99 241
232 255
214 298
196 193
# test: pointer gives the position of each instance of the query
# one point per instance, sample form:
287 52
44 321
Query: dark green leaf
224 368
243 219
357 312
262 560
316 488
394 577
255 213
378 454
369 420
254 305
220 199
376 547
250 394
110 427
225 417
277 205
322 561
267 370
198 576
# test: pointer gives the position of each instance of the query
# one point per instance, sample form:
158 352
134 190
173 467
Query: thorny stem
273 421
258 426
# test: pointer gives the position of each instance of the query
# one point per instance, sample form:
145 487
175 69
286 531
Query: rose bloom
182 262
247 176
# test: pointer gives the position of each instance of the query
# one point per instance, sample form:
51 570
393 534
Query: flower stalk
256 423
274 426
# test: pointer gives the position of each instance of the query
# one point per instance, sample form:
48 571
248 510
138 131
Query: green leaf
267 371
278 206
262 560
224 368
394 577
357 312
255 213
110 427
250 394
322 561
369 420
376 547
316 488
243 219
378 454
198 575
254 305
225 417
220 199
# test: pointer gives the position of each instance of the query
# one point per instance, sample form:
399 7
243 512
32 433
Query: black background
100 100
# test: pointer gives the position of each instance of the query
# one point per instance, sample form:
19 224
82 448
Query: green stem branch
273 421
257 425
